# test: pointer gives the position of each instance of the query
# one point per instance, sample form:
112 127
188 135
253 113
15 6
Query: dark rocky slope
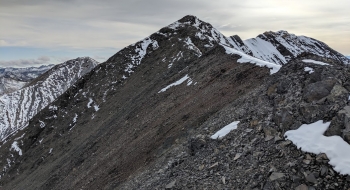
126 123
256 155
119 127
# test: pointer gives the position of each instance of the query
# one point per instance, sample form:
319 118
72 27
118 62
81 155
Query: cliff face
144 118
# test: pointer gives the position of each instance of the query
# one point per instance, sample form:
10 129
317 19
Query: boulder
340 124
195 144
283 86
310 113
338 93
276 175
338 90
316 91
347 85
283 118
302 187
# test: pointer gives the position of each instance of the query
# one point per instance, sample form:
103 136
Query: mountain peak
189 20
281 47
277 33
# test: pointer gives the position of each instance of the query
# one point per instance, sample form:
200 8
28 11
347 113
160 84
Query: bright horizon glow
61 30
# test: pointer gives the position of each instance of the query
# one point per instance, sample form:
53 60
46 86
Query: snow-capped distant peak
186 21
17 108
12 79
280 47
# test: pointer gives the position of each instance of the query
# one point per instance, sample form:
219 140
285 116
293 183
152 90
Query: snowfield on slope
315 62
249 59
310 138
264 50
180 81
225 130
309 70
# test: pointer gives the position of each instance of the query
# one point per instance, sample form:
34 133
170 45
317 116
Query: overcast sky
39 32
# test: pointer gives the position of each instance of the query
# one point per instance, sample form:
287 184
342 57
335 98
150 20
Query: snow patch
225 130
89 103
140 53
20 136
53 108
75 118
314 62
42 124
310 138
96 107
16 148
264 50
191 46
189 82
249 59
104 95
180 81
309 69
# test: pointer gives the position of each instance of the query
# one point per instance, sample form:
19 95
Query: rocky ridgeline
256 155
281 47
144 118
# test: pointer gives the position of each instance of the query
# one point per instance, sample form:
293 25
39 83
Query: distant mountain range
12 79
184 108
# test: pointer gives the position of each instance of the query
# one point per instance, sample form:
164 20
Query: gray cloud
20 63
116 24
44 58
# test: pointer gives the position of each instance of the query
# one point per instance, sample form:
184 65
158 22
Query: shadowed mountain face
134 115
12 79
